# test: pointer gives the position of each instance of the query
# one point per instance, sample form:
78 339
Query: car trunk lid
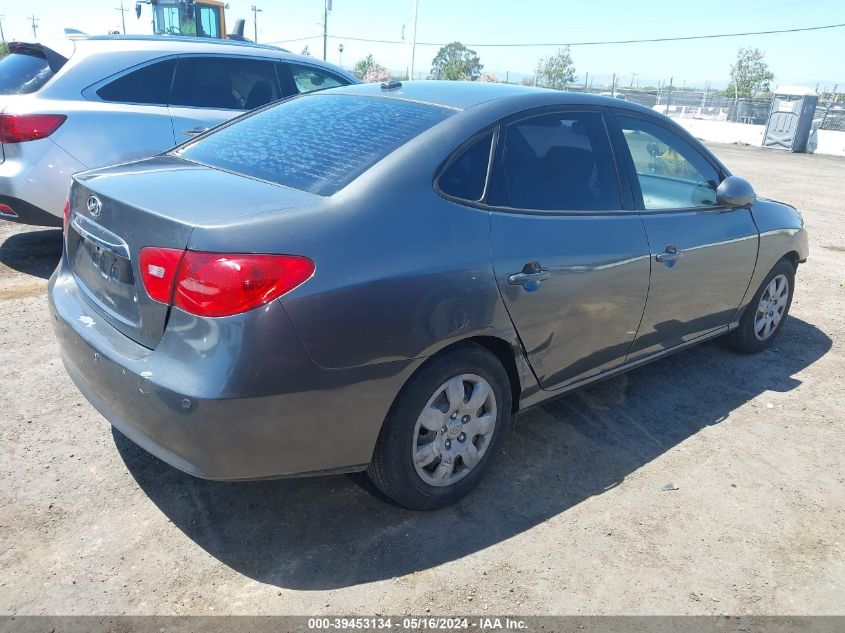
117 211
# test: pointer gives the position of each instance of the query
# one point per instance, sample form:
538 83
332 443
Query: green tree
306 51
556 70
369 70
363 66
456 62
750 73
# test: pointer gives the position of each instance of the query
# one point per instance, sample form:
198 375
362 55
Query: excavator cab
199 18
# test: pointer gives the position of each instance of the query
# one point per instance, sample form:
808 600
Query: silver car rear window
23 73
315 143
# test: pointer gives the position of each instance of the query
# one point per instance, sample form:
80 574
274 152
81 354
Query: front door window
671 173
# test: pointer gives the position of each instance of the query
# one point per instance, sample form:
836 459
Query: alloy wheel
771 308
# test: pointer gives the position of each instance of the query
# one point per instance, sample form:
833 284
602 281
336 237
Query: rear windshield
315 143
23 73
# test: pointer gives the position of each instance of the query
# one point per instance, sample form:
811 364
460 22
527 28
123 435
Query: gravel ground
573 518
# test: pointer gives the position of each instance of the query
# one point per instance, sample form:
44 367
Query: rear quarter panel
396 278
400 272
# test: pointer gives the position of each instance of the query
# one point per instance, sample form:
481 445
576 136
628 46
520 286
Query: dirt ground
573 518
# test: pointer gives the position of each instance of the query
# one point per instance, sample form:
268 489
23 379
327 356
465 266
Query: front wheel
765 315
443 430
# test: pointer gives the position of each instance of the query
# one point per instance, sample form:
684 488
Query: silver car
379 278
91 101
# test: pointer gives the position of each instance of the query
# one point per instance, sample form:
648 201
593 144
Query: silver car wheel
771 308
454 430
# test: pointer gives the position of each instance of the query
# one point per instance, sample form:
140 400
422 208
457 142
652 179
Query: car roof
77 47
171 42
175 44
461 95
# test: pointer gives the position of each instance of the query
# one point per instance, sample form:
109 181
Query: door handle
671 254
195 131
520 279
530 278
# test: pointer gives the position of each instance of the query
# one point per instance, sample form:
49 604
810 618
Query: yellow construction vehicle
193 18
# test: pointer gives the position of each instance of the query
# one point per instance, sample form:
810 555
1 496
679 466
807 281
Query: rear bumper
36 176
237 398
17 210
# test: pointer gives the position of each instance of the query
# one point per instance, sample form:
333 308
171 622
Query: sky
808 58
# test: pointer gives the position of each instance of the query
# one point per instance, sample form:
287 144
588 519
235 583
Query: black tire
743 338
392 469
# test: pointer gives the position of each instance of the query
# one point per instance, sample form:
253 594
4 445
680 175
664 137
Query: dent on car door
703 256
128 118
571 264
209 90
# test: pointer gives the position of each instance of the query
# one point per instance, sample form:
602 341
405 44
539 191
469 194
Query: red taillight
18 128
7 212
158 271
66 216
220 284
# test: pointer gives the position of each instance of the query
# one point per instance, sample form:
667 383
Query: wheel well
502 350
793 257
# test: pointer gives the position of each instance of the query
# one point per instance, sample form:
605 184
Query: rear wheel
765 315
443 430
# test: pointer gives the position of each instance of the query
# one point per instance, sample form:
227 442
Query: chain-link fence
711 105
830 117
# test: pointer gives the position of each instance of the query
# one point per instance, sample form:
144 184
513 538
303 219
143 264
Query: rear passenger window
465 176
149 84
309 79
557 162
224 83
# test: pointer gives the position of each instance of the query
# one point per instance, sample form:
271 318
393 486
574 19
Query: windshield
316 143
23 73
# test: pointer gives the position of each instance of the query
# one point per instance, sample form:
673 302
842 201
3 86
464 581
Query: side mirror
736 193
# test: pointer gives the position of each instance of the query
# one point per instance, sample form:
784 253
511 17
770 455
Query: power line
585 43
297 39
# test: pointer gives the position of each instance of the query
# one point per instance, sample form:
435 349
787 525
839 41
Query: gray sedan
380 277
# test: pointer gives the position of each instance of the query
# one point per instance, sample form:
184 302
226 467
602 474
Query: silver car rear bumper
35 177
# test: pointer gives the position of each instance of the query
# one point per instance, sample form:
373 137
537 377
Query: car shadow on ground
337 531
33 252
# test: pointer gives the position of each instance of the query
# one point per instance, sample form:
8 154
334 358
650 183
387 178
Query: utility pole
414 39
255 12
340 55
122 15
34 26
586 77
2 37
633 76
669 94
327 6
